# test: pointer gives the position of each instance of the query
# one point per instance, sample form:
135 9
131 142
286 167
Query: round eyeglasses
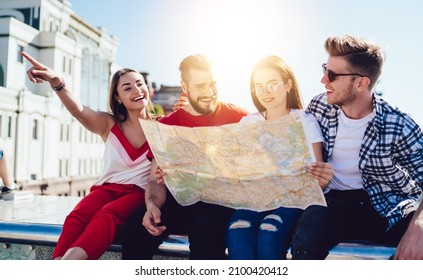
270 87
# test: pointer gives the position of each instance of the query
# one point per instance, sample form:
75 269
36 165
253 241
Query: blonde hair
196 61
363 55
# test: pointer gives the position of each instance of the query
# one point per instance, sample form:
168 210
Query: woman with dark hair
119 191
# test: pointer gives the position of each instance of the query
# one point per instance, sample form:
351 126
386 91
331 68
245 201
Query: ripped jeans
261 235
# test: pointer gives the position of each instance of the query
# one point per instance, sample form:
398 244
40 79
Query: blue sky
155 35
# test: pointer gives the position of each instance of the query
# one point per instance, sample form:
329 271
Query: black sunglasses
332 75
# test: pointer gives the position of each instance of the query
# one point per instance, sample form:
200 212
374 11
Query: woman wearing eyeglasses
267 235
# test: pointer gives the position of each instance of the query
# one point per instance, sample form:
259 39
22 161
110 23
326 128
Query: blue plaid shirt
391 156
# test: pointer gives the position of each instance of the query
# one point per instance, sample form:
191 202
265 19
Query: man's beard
346 98
203 111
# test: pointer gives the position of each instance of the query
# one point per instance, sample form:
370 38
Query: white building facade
49 151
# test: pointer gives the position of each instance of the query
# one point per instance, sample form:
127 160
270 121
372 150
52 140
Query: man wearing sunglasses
377 155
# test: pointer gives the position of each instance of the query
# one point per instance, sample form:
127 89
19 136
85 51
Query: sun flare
241 35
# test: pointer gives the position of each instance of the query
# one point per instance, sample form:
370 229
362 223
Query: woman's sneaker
8 193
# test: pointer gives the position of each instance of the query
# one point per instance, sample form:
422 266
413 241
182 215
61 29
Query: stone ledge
34 225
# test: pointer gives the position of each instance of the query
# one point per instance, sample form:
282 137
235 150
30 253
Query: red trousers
98 217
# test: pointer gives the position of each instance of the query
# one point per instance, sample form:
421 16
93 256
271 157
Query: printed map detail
253 165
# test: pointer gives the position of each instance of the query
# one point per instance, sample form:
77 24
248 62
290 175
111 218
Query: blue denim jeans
261 235
205 224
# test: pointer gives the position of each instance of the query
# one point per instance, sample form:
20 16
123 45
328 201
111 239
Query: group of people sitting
368 154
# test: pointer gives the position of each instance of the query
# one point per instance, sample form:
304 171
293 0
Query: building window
80 134
67 132
105 77
1 76
67 65
70 66
95 84
85 76
9 127
35 129
60 167
64 65
61 132
64 132
63 167
19 54
54 26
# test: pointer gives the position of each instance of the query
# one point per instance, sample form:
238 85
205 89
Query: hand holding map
258 166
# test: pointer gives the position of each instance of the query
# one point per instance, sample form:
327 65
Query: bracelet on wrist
59 87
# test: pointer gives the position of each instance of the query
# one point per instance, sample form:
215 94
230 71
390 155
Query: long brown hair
278 64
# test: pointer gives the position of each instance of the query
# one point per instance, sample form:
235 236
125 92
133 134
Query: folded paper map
252 165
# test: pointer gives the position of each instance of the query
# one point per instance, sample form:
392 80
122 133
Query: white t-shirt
345 156
311 126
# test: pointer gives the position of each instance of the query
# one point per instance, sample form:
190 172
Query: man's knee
308 241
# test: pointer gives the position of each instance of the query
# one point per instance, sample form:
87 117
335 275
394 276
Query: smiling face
341 90
274 87
132 91
271 90
202 92
128 92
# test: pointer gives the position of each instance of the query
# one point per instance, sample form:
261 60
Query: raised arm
155 197
97 122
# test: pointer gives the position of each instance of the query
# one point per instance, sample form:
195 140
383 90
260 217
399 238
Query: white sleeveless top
122 163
